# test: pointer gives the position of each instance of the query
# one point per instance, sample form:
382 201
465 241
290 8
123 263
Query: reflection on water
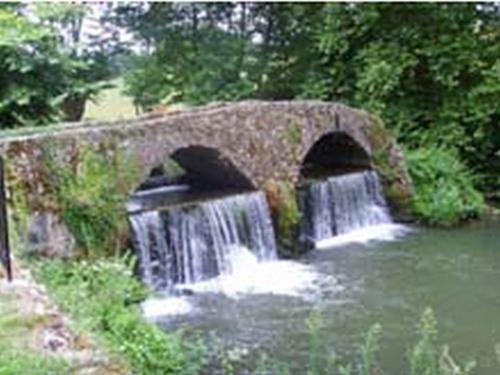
456 272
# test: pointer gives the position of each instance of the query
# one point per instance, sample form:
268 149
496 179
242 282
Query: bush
444 189
102 298
427 359
91 198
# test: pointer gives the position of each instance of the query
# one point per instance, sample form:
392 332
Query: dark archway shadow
189 174
208 170
333 154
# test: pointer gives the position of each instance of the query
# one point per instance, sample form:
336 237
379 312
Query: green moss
294 132
18 209
288 212
393 177
377 133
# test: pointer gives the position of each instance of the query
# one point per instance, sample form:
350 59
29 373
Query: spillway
190 243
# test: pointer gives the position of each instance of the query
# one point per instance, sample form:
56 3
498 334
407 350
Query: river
456 272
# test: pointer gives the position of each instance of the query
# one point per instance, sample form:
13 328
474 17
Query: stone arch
334 153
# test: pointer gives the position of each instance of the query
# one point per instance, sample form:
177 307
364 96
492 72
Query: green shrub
314 326
369 350
444 189
101 296
91 196
425 358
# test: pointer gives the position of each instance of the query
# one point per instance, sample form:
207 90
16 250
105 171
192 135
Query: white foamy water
156 307
192 243
227 247
249 277
279 277
381 232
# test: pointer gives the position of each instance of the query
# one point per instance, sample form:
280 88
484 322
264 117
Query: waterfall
186 244
342 204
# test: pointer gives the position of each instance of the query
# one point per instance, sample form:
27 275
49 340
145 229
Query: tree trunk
73 108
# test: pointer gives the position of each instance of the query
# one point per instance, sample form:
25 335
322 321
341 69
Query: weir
190 243
182 244
220 147
342 204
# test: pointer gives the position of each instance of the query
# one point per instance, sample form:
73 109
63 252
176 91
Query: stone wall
265 141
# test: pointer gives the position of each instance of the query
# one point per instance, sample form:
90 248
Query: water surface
456 272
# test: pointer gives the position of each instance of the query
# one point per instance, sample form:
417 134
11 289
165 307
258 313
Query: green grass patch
111 104
17 362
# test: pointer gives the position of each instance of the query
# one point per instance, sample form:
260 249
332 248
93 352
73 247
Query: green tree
44 74
89 61
31 69
227 51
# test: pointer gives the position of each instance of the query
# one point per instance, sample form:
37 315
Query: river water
354 285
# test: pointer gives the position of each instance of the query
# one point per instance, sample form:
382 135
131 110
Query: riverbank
36 338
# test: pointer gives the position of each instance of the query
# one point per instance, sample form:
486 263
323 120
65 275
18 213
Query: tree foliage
430 70
223 51
44 70
30 71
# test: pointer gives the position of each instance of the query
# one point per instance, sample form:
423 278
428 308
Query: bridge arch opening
199 168
189 174
207 169
333 154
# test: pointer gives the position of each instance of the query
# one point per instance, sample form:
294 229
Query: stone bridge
249 144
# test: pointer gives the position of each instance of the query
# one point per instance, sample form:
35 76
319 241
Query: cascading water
341 205
187 244
226 244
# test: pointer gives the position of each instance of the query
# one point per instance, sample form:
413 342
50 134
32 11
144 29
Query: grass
18 351
111 104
